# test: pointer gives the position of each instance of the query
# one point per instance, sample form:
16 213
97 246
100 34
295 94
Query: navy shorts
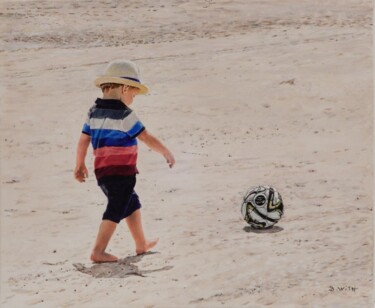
122 199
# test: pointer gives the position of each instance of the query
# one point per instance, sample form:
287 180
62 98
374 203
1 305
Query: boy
113 128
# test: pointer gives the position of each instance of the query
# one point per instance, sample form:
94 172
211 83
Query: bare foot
146 247
103 257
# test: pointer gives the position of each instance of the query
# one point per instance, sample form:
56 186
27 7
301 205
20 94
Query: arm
154 144
80 171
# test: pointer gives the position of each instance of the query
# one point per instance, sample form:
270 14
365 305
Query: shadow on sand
273 229
120 269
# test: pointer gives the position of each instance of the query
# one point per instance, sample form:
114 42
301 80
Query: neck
106 96
111 96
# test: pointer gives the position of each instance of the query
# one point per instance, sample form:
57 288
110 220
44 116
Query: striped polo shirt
113 128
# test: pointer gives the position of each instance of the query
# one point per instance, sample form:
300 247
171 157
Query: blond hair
109 86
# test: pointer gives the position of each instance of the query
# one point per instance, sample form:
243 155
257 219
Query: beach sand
244 93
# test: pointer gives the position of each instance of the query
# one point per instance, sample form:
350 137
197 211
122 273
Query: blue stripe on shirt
86 129
136 129
108 137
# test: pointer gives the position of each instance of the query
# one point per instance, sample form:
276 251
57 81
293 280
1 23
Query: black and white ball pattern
262 207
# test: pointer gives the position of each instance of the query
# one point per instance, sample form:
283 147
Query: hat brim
107 79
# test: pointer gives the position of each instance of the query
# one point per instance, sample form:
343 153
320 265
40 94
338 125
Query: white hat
122 72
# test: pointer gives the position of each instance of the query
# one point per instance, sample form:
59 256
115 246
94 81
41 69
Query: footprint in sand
121 269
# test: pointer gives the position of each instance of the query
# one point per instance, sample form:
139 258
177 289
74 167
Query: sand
244 93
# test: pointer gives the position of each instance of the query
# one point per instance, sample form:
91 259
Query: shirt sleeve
132 125
86 126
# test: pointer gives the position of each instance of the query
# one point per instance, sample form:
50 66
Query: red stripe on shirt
107 151
116 160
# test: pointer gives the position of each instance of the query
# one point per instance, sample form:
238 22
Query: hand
154 144
170 159
81 173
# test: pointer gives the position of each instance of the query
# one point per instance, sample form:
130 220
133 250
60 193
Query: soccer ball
262 207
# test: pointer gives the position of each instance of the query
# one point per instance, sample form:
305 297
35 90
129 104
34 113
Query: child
113 128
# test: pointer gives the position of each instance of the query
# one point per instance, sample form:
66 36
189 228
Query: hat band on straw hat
134 79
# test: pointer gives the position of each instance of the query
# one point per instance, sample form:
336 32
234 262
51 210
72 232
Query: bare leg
106 230
134 222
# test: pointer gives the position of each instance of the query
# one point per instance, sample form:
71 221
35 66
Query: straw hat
122 72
